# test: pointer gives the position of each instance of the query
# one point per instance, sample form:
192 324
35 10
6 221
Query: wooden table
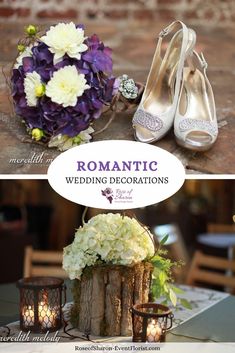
133 51
216 324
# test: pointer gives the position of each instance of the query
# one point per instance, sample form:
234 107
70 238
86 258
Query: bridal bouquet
60 82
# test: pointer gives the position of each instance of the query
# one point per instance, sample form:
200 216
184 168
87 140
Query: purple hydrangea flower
98 60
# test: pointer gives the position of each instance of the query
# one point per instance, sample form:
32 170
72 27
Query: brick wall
211 12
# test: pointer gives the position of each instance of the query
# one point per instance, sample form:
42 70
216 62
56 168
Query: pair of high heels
178 93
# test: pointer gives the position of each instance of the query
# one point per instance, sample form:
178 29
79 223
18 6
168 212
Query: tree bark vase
104 296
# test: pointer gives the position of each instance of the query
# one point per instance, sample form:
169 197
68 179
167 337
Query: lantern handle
170 316
64 292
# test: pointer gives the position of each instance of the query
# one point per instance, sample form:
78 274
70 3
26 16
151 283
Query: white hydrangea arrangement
110 239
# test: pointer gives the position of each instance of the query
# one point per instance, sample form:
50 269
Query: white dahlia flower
65 38
66 85
32 83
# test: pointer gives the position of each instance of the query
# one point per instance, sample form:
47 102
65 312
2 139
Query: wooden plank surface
133 50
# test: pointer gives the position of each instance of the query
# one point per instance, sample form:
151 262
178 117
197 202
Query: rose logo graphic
108 193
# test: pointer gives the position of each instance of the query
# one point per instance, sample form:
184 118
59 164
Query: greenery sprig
162 279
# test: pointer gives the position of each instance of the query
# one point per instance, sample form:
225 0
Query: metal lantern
41 303
150 322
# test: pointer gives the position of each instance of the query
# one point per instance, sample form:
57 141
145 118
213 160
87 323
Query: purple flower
28 64
93 42
72 125
99 61
42 54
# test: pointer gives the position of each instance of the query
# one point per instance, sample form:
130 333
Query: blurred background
213 12
32 213
128 26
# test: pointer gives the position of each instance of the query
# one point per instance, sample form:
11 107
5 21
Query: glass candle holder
41 303
150 321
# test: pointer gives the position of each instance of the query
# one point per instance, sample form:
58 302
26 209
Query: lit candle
46 315
28 316
154 331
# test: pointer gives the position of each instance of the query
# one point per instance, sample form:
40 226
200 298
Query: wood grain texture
97 302
130 58
127 302
106 295
113 304
138 285
85 304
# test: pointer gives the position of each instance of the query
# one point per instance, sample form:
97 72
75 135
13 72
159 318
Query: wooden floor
133 51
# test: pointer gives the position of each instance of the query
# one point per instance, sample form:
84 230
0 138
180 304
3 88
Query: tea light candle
154 331
28 316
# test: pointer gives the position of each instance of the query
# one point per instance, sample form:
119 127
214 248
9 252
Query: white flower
31 83
64 142
26 53
65 38
66 85
85 134
110 237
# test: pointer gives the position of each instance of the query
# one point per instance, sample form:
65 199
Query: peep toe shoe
155 114
195 124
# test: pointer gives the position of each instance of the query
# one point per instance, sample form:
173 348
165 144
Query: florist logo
108 193
118 195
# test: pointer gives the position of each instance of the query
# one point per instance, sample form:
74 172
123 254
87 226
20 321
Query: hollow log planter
104 295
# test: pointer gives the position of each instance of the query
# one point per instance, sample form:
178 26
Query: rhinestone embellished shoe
195 124
155 114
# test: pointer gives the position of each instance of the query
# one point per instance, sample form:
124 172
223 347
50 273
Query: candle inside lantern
40 304
154 331
46 315
28 316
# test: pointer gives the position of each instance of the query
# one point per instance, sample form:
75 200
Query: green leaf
165 302
162 278
164 239
177 290
185 303
156 290
154 258
173 297
166 288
